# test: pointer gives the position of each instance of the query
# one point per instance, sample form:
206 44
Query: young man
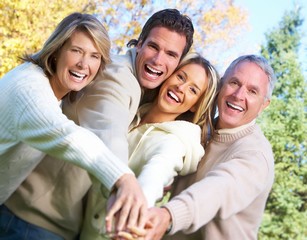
52 197
226 197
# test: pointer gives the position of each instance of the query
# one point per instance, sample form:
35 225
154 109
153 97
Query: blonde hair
87 23
206 105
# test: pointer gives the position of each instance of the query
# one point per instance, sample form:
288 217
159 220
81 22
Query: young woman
161 145
31 120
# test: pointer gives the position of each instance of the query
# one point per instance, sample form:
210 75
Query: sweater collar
230 135
235 130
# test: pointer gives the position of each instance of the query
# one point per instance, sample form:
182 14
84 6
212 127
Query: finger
123 215
125 235
111 214
143 216
140 232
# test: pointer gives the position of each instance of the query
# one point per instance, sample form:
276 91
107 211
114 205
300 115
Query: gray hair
260 62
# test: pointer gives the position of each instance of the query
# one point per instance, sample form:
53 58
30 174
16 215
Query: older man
226 197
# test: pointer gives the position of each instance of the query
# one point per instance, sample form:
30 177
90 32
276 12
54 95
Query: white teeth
235 107
173 95
76 74
154 70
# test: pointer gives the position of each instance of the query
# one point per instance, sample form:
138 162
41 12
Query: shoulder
118 75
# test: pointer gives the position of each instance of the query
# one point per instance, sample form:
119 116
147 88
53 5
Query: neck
57 90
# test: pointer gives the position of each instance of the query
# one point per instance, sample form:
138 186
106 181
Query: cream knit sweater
31 121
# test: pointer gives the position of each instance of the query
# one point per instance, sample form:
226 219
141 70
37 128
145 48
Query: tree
285 125
25 26
218 24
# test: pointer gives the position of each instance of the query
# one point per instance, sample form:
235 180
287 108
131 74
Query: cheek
59 70
97 67
172 64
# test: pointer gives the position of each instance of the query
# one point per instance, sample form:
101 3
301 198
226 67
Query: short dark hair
171 19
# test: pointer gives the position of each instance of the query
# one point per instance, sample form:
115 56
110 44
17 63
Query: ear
264 105
139 45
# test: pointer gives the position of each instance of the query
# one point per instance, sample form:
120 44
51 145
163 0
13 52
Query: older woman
31 120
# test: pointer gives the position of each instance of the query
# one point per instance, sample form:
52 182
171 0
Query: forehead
166 38
249 71
84 40
251 74
196 74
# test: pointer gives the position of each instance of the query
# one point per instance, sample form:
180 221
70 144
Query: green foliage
26 25
284 123
218 24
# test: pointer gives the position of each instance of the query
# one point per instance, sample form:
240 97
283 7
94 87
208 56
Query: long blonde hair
206 105
45 58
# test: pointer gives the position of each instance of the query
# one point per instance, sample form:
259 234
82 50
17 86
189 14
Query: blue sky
264 15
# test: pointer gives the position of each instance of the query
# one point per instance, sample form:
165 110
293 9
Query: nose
83 63
240 93
181 87
158 58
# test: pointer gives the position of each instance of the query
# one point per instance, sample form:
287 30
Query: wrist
169 220
123 179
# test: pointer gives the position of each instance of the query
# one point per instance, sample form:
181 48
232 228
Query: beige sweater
226 197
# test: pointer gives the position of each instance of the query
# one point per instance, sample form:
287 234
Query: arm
164 151
41 124
107 106
161 159
228 188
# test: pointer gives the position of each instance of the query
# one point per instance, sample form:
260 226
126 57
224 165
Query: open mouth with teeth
235 107
153 71
173 96
77 76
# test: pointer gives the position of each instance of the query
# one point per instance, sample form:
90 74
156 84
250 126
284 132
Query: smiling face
180 92
158 56
77 64
242 96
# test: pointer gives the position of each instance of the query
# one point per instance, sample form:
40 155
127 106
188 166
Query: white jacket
161 151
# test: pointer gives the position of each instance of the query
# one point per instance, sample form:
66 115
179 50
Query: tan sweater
226 197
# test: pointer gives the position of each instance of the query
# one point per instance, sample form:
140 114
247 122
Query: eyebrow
76 46
186 76
253 86
176 54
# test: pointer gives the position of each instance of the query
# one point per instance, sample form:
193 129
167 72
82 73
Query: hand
160 219
130 205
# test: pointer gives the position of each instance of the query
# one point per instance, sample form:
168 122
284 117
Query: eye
153 46
96 56
173 55
253 92
233 82
180 77
76 50
193 90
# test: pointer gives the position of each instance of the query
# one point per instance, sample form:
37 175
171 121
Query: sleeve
163 159
226 189
42 125
107 107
